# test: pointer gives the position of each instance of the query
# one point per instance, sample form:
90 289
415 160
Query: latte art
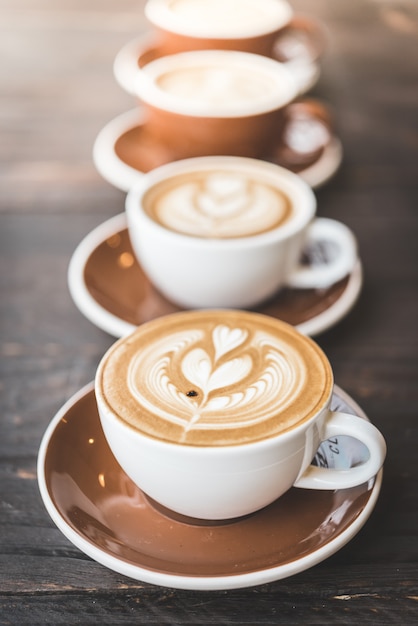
217 204
199 380
246 377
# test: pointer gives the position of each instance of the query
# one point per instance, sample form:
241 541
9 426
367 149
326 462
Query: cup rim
208 450
146 89
159 14
298 190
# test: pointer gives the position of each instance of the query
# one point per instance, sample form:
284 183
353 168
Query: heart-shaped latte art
223 195
223 185
226 339
218 380
199 370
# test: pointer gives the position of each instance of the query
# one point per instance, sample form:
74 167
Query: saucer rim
122 176
118 327
125 66
202 583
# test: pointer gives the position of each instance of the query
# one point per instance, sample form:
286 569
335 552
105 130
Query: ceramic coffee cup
214 102
231 231
299 46
246 25
215 414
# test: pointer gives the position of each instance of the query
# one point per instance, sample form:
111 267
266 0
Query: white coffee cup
240 269
215 414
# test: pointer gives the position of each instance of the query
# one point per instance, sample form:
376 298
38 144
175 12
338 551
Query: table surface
57 92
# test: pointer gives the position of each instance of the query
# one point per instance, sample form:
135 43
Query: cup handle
336 425
306 132
329 254
301 40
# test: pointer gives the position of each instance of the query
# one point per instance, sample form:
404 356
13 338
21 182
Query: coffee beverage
218 204
216 83
215 378
219 18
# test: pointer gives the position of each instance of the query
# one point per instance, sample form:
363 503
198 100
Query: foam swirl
214 378
232 377
217 204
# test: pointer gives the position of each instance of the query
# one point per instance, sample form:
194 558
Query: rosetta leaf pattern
229 378
209 375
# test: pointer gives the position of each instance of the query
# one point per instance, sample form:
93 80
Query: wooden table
57 92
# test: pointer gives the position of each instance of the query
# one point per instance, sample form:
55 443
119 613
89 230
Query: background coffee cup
214 102
299 46
215 414
259 26
246 225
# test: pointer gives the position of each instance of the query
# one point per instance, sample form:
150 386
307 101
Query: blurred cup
245 25
299 46
215 102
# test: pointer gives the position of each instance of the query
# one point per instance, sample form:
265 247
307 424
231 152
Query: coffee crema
214 378
219 18
217 204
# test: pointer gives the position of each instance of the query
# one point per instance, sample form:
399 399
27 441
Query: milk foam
221 18
216 382
217 204
216 83
272 381
217 86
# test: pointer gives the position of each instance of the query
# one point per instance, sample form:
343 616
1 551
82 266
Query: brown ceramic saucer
109 287
105 515
125 149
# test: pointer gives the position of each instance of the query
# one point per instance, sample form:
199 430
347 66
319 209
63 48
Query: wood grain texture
57 92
